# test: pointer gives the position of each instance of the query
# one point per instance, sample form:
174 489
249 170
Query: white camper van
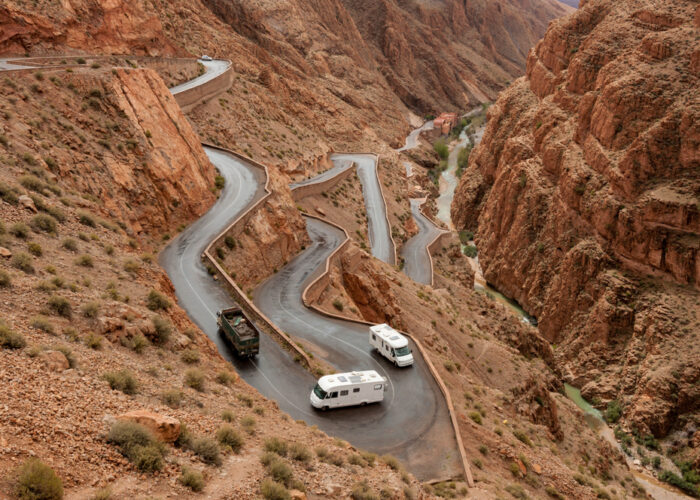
391 344
348 389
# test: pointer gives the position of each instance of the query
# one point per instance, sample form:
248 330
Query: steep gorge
584 196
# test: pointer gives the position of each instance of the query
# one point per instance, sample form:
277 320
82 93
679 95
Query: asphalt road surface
415 250
212 70
377 224
412 138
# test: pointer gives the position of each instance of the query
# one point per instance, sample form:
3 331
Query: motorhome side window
378 387
343 393
356 389
333 394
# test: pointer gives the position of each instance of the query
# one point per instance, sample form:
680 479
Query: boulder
165 428
297 495
27 203
55 361
333 490
4 252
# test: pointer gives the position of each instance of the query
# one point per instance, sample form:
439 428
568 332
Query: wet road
412 423
415 250
212 70
412 138
377 224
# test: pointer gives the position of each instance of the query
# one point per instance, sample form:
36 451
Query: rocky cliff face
584 194
87 26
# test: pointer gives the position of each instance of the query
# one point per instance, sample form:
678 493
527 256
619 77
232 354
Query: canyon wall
584 196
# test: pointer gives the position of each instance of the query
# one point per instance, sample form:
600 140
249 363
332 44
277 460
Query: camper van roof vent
342 379
355 379
394 337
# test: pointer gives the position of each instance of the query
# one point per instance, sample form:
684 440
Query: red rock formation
587 179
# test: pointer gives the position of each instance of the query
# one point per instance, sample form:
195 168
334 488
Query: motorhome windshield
320 393
403 351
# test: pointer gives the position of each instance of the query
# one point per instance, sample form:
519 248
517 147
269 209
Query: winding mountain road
417 265
212 69
381 244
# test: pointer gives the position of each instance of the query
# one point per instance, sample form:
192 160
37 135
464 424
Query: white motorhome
390 344
348 389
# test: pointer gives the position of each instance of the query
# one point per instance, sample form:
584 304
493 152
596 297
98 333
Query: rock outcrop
165 428
584 196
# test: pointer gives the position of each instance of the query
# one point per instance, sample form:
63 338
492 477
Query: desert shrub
190 356
336 459
42 323
552 492
225 378
483 450
192 479
470 251
9 339
248 423
271 490
613 412
102 494
35 249
227 436
172 398
138 343
90 309
87 219
368 457
229 241
32 182
85 261
338 304
355 459
23 262
207 450
227 416
132 266
679 482
391 461
300 453
219 182
281 472
516 491
276 445
478 463
61 306
122 380
93 341
8 194
137 444
194 378
19 230
185 438
521 436
157 301
476 417
44 222
38 481
5 279
162 328
70 244
362 491
321 452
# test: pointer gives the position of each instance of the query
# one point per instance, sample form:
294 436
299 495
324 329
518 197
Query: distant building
445 122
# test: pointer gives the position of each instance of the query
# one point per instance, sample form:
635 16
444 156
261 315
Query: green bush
138 343
9 339
441 149
137 444
184 439
70 244
61 306
391 461
276 445
362 491
172 398
192 479
219 182
300 453
132 266
32 182
35 249
227 416
23 262
281 472
42 323
93 341
85 261
19 230
271 490
44 222
157 301
338 304
162 328
227 436
207 450
86 219
476 417
679 482
90 309
122 380
8 194
5 279
190 356
521 436
194 378
470 251
613 412
225 378
37 481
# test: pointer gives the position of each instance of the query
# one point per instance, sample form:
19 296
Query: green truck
239 330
